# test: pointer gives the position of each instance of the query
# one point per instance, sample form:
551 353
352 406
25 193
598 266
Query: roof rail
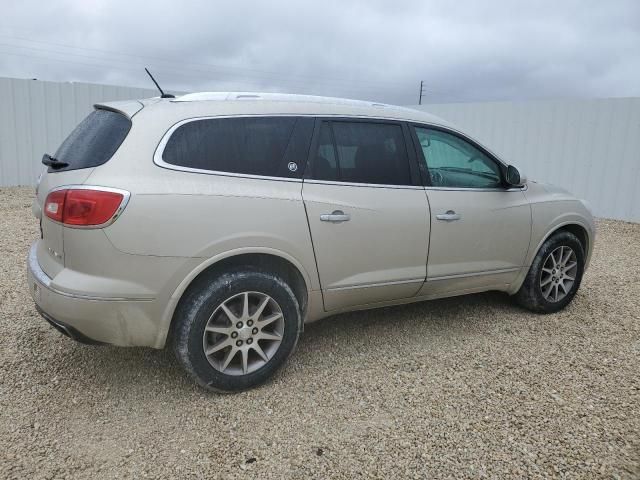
272 97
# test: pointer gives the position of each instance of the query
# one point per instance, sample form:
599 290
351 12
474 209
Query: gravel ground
466 387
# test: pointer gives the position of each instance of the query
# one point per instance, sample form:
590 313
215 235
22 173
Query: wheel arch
572 225
580 232
576 227
266 260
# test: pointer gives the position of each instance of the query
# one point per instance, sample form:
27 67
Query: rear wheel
554 276
234 331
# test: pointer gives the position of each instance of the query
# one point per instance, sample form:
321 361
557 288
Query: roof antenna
162 94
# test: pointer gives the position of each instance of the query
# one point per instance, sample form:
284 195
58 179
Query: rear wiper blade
49 161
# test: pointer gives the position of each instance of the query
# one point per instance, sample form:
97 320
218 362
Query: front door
480 228
368 217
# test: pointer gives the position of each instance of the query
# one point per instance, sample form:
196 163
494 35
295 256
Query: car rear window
94 141
267 146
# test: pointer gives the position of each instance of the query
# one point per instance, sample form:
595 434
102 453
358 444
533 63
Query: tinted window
94 140
270 146
363 153
454 162
325 163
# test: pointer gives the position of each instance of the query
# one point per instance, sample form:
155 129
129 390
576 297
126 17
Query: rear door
92 143
368 215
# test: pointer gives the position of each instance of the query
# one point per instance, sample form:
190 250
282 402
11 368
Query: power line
253 76
137 68
216 68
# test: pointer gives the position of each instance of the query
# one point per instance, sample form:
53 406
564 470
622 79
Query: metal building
590 147
35 116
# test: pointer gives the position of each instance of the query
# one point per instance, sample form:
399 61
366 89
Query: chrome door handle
337 216
450 216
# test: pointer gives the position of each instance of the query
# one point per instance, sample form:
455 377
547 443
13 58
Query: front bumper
87 318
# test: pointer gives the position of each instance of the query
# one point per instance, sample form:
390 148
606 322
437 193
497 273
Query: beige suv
218 223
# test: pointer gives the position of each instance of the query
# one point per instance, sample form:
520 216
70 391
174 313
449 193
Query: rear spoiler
128 108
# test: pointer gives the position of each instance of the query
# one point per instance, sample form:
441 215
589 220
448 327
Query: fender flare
167 316
515 286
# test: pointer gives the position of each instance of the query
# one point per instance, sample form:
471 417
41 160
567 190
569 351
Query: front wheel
234 331
554 276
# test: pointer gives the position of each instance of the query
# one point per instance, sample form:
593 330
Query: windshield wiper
49 161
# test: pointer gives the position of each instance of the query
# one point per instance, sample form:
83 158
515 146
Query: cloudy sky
464 50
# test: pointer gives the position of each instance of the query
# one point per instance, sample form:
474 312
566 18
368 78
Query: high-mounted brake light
83 207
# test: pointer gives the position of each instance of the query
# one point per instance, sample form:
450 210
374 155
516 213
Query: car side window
454 162
266 146
325 163
362 152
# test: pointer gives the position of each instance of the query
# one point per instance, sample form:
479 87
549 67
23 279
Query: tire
532 295
210 302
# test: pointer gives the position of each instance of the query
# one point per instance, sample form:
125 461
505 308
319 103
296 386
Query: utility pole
421 92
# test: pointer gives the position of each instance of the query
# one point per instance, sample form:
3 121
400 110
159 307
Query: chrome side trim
157 155
44 280
473 274
367 185
161 163
370 285
470 189
125 200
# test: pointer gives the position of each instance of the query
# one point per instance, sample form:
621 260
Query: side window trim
412 157
423 161
336 155
313 149
414 162
290 155
315 137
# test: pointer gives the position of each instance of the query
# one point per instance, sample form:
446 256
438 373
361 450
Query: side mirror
514 177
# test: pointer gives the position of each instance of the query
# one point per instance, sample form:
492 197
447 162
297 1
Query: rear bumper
91 319
67 330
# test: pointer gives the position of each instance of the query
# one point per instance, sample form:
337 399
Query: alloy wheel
558 273
243 333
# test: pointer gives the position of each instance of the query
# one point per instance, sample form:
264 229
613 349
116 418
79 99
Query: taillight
83 207
54 205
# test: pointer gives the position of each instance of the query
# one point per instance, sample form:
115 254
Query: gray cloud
379 50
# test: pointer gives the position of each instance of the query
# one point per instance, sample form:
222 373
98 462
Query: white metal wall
589 147
35 117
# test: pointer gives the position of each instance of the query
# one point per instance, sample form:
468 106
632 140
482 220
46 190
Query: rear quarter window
266 146
94 141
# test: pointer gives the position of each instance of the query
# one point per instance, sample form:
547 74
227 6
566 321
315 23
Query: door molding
377 284
473 274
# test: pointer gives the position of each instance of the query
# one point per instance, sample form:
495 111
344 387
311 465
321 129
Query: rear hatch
91 144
